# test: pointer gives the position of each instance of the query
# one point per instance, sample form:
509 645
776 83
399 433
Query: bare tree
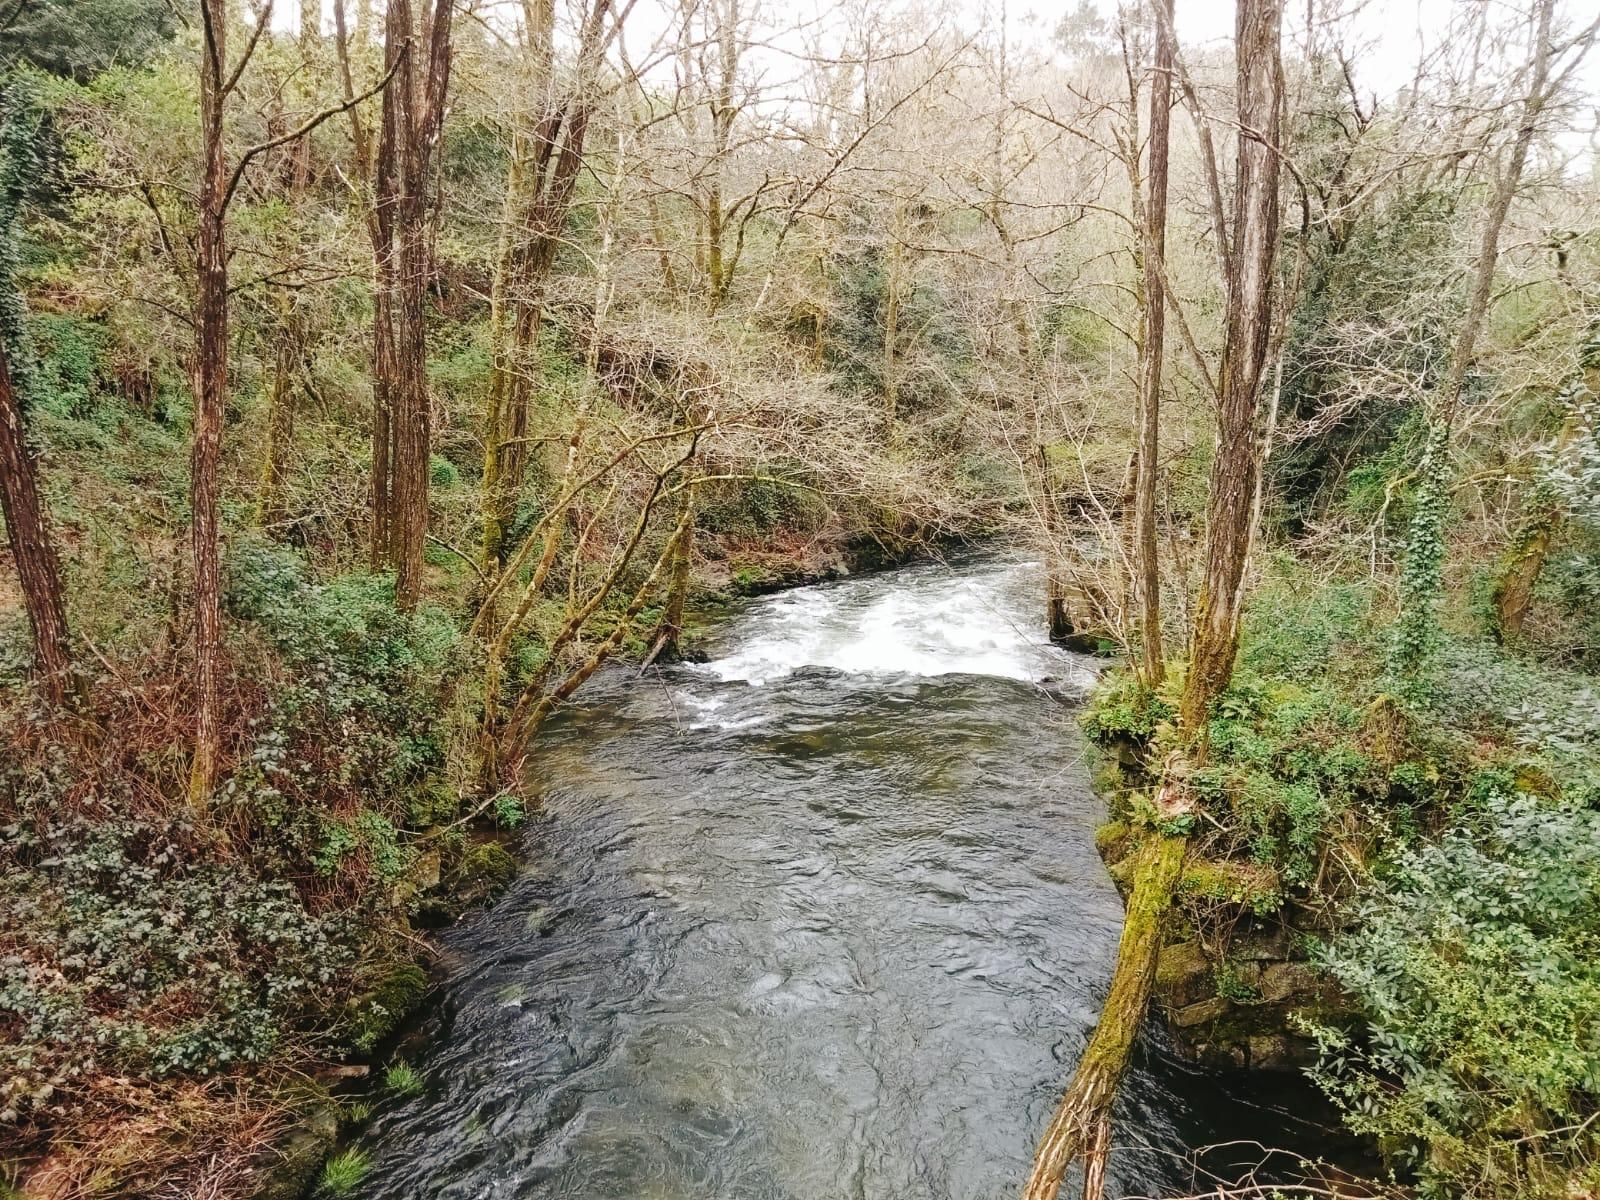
1146 552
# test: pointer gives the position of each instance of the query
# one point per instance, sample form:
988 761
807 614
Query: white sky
1384 38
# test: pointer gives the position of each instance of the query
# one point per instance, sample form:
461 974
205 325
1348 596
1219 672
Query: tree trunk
28 530
209 379
1540 54
1542 523
413 116
665 644
1236 468
1513 593
280 420
1080 1128
1081 1125
1147 563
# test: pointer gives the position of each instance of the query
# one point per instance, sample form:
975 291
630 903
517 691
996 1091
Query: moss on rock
484 870
285 1172
377 1012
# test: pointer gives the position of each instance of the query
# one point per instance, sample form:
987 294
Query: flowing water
820 919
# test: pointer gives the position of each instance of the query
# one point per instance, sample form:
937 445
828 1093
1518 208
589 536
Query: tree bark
1236 468
402 233
280 419
1081 1125
209 380
1545 516
665 643
1147 563
1080 1128
28 530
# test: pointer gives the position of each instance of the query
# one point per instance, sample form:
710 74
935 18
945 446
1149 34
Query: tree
397 173
26 522
1146 558
209 380
547 147
31 548
413 115
1081 1125
1250 256
209 366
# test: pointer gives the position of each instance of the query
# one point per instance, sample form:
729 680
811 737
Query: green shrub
128 953
1477 963
1123 708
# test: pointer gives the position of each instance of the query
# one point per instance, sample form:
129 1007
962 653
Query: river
819 919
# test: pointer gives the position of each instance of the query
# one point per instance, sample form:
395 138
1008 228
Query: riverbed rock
1260 945
1183 975
285 1171
1272 1052
396 993
1204 1011
481 872
1289 980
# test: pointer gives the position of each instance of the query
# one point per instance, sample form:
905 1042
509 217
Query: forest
382 380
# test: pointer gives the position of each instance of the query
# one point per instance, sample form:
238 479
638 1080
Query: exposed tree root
1081 1126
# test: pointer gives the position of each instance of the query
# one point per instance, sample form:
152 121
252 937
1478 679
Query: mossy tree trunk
1545 514
1251 258
1147 562
1081 1126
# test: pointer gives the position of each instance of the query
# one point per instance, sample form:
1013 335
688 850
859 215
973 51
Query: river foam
939 621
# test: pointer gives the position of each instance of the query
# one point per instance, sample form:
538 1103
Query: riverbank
1361 846
133 1076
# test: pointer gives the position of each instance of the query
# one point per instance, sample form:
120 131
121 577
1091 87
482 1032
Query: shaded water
820 919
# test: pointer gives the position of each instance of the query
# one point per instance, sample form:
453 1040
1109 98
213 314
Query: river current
819 919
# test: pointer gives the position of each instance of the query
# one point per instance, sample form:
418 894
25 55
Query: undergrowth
1449 838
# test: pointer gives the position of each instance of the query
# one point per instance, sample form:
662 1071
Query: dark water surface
819 920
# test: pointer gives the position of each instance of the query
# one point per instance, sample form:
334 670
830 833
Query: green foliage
1416 630
80 38
127 952
1477 963
1379 302
343 1172
1232 983
509 811
1123 708
71 354
359 666
933 351
1286 637
442 473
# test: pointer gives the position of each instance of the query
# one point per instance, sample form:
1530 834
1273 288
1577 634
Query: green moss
1224 881
483 870
1111 839
376 1013
1179 963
